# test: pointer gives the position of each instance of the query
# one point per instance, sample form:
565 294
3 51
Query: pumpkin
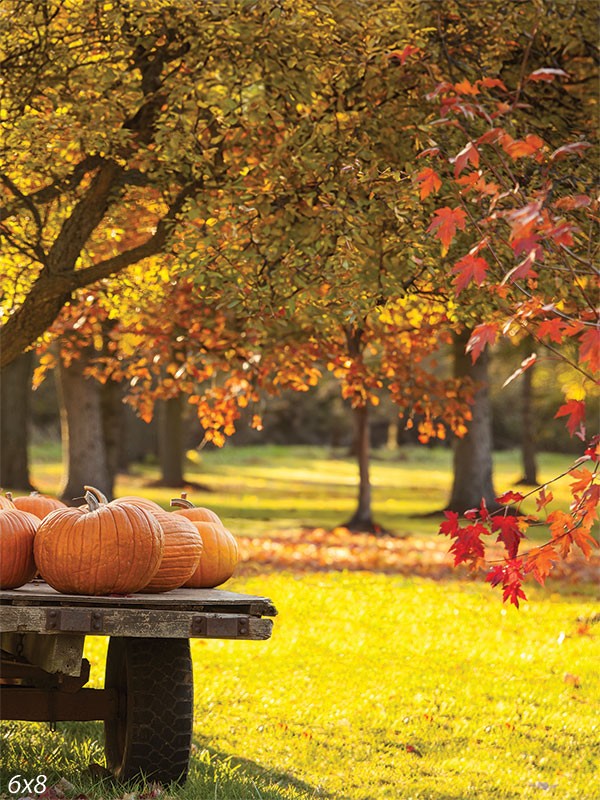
6 501
142 502
195 513
102 548
183 549
17 533
38 504
220 550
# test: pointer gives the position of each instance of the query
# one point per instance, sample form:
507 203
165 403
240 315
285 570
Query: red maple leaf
510 575
469 268
575 410
460 161
430 182
546 74
589 348
510 497
508 533
468 545
482 335
450 527
445 223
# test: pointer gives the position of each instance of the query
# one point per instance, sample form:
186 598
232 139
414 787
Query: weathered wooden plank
39 705
52 653
138 622
39 593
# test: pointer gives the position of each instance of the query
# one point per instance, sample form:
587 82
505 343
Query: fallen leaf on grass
572 680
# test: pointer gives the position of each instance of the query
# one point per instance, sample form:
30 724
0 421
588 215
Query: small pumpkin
183 549
195 513
17 534
100 548
38 504
220 551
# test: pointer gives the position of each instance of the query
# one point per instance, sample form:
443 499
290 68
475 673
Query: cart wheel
152 735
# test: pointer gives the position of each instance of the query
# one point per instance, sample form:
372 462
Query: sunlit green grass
374 687
257 490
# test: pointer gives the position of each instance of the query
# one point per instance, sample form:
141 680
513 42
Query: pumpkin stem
181 502
8 496
34 494
92 501
101 498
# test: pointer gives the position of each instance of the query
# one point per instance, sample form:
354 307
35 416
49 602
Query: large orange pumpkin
99 549
183 549
17 533
220 551
143 502
38 504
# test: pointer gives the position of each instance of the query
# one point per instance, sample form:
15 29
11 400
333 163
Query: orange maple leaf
583 478
445 223
430 182
540 561
460 161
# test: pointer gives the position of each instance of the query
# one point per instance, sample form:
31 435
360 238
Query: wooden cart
147 700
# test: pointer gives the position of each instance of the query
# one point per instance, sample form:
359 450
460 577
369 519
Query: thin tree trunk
170 441
84 451
528 430
392 436
362 518
15 386
111 405
473 453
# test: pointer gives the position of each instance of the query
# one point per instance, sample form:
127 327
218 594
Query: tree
15 386
528 228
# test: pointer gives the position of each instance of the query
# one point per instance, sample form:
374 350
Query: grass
372 686
257 490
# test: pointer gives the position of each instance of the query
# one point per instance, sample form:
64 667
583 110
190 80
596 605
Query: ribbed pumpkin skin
219 556
198 514
6 503
115 549
183 549
17 534
142 502
38 504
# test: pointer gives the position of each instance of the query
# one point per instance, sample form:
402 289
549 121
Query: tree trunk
15 386
84 451
111 404
362 519
528 430
392 436
170 441
473 453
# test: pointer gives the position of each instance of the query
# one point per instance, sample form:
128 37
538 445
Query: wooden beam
38 705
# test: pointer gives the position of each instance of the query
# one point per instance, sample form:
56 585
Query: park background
390 673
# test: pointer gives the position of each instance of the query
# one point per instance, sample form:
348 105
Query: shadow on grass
279 784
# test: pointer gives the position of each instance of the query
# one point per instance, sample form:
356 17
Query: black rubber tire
152 735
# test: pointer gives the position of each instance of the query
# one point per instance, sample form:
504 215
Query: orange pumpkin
195 513
99 549
220 551
142 502
17 534
38 504
6 501
183 549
